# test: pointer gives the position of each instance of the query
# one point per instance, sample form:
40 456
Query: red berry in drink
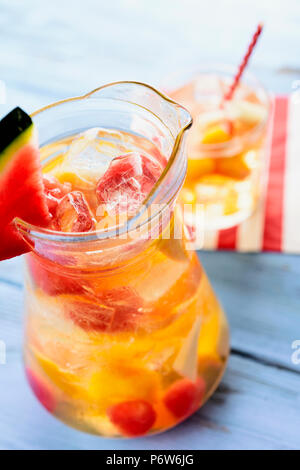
184 396
132 418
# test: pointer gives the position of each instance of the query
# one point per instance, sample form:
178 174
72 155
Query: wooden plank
260 294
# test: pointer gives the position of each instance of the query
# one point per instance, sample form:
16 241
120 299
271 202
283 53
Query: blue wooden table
51 50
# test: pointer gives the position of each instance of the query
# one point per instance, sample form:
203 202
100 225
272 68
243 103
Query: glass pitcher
123 334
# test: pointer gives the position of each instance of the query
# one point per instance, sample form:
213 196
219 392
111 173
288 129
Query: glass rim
97 235
214 68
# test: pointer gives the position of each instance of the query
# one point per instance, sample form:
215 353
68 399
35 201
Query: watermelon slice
21 183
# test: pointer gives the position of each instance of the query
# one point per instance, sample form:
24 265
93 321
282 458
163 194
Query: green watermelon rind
21 130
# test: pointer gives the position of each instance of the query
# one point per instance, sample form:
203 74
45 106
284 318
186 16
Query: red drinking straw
243 64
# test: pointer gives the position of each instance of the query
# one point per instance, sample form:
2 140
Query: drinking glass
226 145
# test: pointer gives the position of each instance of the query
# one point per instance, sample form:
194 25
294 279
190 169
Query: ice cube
73 214
89 156
54 191
89 315
251 113
128 306
117 309
127 182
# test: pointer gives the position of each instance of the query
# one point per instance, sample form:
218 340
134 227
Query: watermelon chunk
126 183
21 185
49 280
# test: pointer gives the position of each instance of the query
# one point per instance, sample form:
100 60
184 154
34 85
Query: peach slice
235 167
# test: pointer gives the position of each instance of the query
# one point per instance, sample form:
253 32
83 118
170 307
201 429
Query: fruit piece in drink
73 214
126 183
133 418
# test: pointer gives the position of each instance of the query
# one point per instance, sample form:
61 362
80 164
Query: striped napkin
275 226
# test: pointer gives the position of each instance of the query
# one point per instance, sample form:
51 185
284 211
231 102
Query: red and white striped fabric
275 226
